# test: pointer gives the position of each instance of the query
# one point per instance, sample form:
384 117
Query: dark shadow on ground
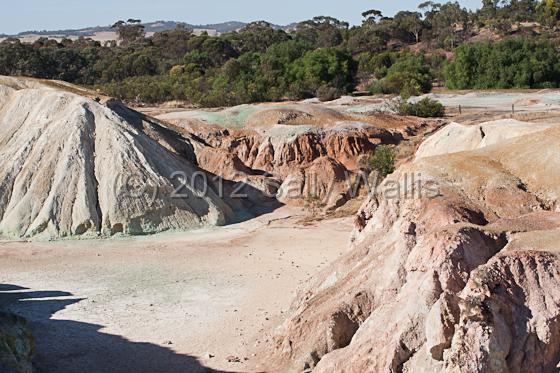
64 346
6 287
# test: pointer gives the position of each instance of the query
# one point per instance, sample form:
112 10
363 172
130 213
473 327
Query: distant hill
150 27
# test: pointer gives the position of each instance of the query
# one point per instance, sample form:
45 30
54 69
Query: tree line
405 54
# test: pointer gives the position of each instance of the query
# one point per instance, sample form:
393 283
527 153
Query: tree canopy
404 54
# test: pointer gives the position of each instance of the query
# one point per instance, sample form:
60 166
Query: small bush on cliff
383 160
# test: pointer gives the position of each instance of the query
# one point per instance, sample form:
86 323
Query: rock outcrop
228 166
458 271
70 165
325 180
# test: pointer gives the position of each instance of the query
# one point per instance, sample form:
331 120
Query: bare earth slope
71 166
463 280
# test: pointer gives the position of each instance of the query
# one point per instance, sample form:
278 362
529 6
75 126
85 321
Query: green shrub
376 88
426 108
375 64
383 160
517 62
409 75
406 74
328 66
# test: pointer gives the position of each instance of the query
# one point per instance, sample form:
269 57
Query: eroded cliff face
302 160
458 272
281 147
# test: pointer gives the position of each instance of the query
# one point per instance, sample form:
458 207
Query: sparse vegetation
314 204
383 160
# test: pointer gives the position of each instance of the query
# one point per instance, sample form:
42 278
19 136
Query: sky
65 14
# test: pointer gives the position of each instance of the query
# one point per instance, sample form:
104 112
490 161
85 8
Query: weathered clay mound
272 117
72 166
457 137
316 115
281 147
262 115
453 267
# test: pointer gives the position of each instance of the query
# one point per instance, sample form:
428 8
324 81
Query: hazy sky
24 15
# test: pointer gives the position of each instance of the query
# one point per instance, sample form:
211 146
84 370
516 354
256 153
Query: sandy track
164 303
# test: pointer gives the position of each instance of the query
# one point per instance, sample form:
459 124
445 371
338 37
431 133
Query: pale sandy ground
165 303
